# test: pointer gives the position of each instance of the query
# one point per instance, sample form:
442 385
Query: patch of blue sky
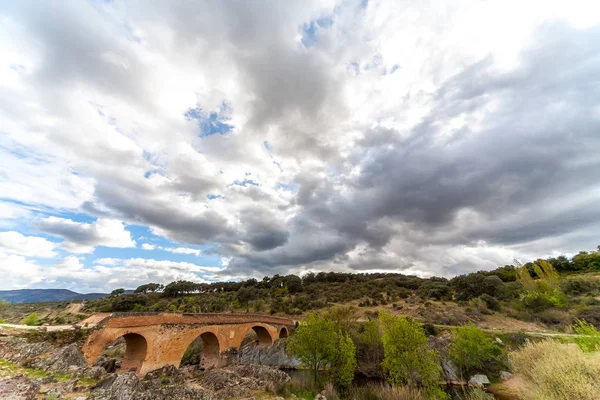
245 182
158 252
395 67
310 30
211 123
267 145
211 196
291 187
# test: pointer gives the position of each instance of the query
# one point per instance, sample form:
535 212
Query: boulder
93 373
115 387
505 375
157 385
18 388
274 356
107 363
479 380
65 358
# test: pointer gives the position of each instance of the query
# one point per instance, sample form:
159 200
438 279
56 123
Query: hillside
45 295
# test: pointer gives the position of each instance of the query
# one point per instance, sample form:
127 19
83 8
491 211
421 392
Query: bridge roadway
154 340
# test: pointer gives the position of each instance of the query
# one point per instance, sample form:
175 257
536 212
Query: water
456 391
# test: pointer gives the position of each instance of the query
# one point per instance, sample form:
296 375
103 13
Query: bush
555 371
577 286
491 302
472 350
590 337
429 329
591 315
31 320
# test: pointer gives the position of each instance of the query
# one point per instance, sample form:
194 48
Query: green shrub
490 301
429 329
589 339
472 350
579 285
31 320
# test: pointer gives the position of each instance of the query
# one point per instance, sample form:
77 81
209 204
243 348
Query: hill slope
42 295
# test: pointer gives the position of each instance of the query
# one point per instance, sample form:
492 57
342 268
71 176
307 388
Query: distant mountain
43 295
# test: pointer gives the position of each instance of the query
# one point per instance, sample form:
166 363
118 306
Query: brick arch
213 344
264 333
283 333
137 347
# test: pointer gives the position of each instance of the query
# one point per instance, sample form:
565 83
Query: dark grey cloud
526 169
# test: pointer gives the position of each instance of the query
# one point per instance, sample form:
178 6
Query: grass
8 369
557 371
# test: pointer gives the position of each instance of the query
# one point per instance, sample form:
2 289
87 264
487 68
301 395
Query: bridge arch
283 333
203 350
265 339
136 350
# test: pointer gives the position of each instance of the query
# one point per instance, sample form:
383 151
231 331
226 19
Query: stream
456 391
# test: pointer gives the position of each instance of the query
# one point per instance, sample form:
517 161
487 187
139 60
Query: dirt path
53 328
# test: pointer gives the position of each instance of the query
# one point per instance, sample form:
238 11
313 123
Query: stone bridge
154 340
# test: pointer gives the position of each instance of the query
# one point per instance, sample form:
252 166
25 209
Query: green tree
149 288
407 360
344 362
31 320
314 343
471 349
117 292
246 294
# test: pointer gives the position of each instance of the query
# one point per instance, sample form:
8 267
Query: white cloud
31 246
104 276
81 237
175 250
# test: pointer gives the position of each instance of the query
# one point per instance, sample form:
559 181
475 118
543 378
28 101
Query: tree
314 343
117 292
407 360
471 349
344 362
467 287
149 288
435 289
31 320
246 294
293 283
179 288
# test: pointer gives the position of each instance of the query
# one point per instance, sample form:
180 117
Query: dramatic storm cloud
224 140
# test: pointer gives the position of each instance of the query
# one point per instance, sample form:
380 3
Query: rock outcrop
18 388
253 354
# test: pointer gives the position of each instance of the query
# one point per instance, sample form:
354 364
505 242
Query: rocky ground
44 371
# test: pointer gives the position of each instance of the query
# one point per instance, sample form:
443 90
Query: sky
153 141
